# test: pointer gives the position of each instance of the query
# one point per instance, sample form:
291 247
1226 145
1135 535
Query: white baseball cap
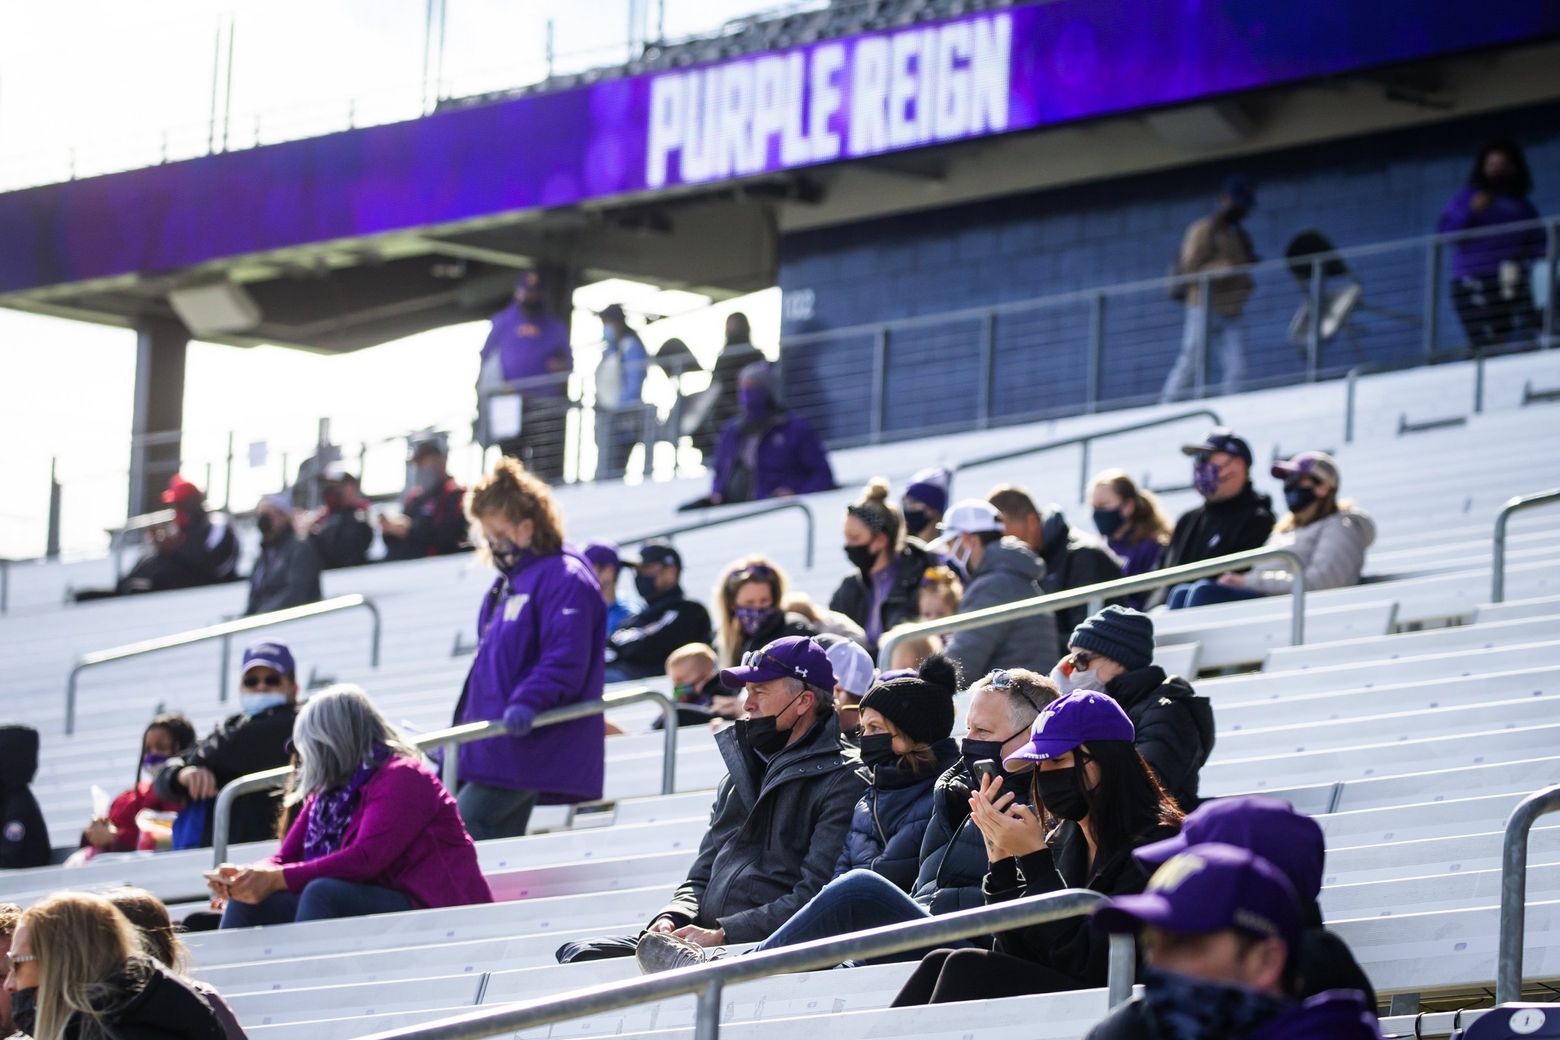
966 516
853 669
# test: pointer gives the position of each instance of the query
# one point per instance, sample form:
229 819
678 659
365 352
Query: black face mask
265 523
1061 794
1108 521
860 556
979 750
644 584
24 1010
1298 497
763 735
916 520
877 749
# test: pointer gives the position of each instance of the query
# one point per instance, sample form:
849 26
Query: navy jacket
953 854
889 822
24 840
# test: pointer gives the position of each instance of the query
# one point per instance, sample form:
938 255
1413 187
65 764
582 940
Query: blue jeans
1230 331
852 902
322 899
494 812
1202 593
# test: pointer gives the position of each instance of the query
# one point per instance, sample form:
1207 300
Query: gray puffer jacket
1333 549
1008 572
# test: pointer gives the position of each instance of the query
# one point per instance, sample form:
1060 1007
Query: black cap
655 552
1221 438
611 312
425 444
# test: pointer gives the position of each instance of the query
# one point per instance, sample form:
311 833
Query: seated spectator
1113 652
147 914
541 643
1131 522
1330 536
924 501
779 819
78 970
10 913
638 648
1072 559
910 652
24 840
854 675
823 620
166 736
1490 284
696 686
1233 517
881 590
1292 842
940 593
433 519
287 572
339 530
996 570
1095 801
254 739
749 615
604 560
376 832
197 548
1220 930
766 451
736 354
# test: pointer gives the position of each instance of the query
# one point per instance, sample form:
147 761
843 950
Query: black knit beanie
1122 634
921 705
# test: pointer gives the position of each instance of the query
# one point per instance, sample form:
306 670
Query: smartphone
986 767
217 876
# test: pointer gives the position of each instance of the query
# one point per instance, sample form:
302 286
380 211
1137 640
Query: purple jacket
1338 1014
1482 255
1137 557
542 634
406 835
526 345
790 455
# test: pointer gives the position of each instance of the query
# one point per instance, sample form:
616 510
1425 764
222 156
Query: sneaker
663 951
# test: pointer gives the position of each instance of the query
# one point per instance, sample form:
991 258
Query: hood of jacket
18 756
1011 556
144 995
1137 690
1358 521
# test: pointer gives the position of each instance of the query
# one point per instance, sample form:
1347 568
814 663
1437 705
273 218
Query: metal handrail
143 522
1513 891
706 981
5 584
452 738
1498 550
223 631
1093 595
775 507
1083 440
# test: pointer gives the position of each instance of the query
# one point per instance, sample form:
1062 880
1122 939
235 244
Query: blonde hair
879 514
516 495
742 571
942 582
81 942
702 652
1148 521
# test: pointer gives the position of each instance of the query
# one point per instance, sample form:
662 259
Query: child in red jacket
167 735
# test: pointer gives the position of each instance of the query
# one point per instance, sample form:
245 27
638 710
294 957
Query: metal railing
132 525
749 514
450 740
1498 549
1084 441
223 631
1094 596
1513 890
706 982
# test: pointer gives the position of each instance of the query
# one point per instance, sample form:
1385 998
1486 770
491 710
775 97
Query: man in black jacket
434 521
24 840
1233 517
640 647
340 531
287 572
248 742
1072 558
1113 652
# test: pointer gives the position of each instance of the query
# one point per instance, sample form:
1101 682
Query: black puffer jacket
1220 528
854 599
642 643
776 830
1072 560
146 1002
24 840
241 744
1174 727
890 821
953 854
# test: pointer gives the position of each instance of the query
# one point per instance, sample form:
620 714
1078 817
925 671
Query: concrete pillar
158 416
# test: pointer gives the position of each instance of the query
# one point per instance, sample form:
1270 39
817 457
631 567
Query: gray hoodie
1333 549
1009 571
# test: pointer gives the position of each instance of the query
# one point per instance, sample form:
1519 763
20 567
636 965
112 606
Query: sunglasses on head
758 570
272 680
754 658
1004 680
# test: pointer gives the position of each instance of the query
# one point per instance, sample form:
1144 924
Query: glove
518 719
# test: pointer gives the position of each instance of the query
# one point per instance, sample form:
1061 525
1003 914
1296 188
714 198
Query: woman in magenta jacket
376 831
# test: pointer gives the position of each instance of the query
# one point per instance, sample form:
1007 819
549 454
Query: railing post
70 699
1551 256
1432 314
988 351
373 644
1313 339
1083 469
227 479
879 384
668 745
1204 284
1513 891
5 585
1478 383
450 768
706 1022
1123 967
1351 387
1297 604
812 534
1096 358
222 669
52 541
1498 546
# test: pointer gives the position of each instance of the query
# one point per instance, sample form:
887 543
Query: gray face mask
429 478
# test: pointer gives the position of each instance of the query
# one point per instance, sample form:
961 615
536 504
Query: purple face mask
752 618
753 400
1205 478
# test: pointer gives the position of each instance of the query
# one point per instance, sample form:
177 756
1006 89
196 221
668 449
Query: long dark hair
1129 801
179 728
1523 176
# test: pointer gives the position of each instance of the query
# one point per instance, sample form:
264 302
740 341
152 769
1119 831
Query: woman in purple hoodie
1490 284
376 831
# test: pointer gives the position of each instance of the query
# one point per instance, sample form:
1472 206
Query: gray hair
335 732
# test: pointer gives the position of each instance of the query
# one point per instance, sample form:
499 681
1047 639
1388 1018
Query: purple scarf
332 810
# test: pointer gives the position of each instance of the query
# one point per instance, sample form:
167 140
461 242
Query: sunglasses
1004 680
254 682
755 658
1082 659
11 960
758 570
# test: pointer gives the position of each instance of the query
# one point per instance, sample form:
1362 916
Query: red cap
180 490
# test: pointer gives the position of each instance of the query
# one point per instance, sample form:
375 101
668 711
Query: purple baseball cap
274 656
792 657
1269 827
1220 438
1208 888
1066 722
602 554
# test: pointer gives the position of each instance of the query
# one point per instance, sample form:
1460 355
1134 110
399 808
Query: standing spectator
924 500
164 737
1113 652
940 593
853 677
1130 521
433 521
541 636
339 530
736 354
882 589
1218 245
1072 558
80 965
604 560
620 380
147 914
375 833
287 572
765 451
254 739
997 570
1330 535
695 680
1233 517
197 548
24 840
638 649
1490 285
749 598
10 914
527 350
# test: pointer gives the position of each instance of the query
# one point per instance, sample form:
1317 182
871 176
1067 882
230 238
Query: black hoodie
24 840
1174 727
147 1002
1214 529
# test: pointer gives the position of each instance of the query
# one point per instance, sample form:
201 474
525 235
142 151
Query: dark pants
494 812
322 899
544 421
948 976
1491 315
616 435
1202 593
